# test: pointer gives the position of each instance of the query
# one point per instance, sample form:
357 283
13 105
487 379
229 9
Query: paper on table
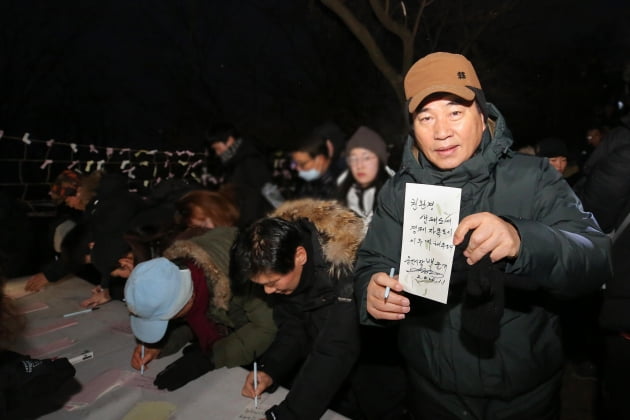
123 327
14 289
154 410
252 413
106 382
32 307
430 219
58 345
54 326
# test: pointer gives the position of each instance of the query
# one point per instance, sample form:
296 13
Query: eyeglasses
355 160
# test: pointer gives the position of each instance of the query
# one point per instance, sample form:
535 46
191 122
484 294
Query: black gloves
484 301
191 365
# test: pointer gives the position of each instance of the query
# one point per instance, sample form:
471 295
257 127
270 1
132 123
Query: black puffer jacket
318 327
605 191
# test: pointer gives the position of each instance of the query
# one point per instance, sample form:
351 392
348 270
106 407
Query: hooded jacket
318 329
248 319
563 253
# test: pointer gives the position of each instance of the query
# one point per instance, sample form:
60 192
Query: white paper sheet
53 326
106 382
14 289
430 219
251 412
31 307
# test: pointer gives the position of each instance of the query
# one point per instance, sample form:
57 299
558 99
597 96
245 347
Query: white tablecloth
106 333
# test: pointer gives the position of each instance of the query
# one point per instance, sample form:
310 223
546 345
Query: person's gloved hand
191 365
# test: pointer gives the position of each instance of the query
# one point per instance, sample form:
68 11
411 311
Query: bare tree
410 23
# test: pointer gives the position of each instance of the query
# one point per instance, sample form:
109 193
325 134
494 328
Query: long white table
106 333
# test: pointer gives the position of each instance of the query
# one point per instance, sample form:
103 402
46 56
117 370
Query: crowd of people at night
305 280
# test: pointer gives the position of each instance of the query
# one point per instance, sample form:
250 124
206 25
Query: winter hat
368 139
551 147
440 72
155 292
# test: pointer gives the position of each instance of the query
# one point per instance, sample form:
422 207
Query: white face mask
310 175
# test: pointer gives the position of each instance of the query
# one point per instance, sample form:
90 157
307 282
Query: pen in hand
142 356
255 384
388 289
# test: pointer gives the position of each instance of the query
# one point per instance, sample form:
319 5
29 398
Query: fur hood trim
341 230
218 280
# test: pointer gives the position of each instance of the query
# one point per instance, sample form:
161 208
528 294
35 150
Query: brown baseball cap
440 72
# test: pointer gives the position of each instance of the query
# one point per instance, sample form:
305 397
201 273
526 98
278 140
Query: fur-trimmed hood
211 252
340 229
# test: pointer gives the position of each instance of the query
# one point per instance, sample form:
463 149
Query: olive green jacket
248 319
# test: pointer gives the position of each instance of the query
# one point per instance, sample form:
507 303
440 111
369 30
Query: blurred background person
366 156
604 190
245 167
313 160
207 209
555 150
71 191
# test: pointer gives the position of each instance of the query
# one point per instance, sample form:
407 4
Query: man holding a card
483 241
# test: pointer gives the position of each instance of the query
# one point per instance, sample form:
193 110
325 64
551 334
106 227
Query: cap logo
461 75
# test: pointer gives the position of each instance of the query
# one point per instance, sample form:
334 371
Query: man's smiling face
448 130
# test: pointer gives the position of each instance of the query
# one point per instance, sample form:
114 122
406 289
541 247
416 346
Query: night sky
157 73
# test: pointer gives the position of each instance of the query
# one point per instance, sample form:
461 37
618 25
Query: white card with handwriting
426 259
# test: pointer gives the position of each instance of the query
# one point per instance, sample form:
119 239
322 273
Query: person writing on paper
494 349
303 256
70 192
170 307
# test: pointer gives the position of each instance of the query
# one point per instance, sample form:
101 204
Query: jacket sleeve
562 247
380 250
326 367
55 270
177 336
251 338
290 345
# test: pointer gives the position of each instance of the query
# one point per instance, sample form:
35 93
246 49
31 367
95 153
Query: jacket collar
210 252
